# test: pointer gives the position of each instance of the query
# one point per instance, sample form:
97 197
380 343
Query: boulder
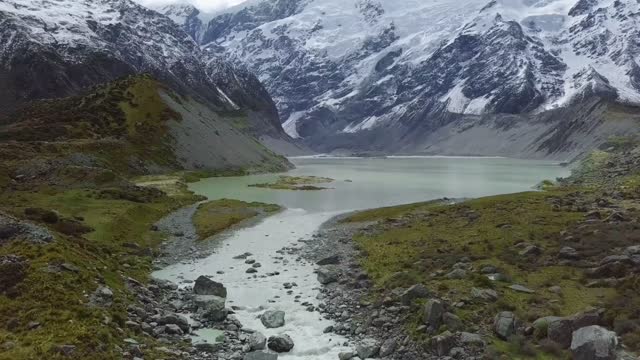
102 297
560 332
175 319
468 339
367 349
443 343
260 355
13 269
388 347
487 295
504 324
331 260
257 341
568 253
327 275
211 307
452 322
632 250
346 355
206 286
531 250
432 315
280 343
272 319
457 274
413 293
594 343
173 329
541 325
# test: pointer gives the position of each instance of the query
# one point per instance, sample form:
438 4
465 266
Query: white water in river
375 183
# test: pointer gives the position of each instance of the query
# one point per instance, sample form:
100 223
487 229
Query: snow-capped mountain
54 48
369 68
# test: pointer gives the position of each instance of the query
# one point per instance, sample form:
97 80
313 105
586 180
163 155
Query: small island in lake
297 183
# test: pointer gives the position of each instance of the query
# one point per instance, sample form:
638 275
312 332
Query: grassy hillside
70 174
452 248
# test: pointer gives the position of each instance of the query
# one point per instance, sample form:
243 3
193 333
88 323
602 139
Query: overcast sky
204 5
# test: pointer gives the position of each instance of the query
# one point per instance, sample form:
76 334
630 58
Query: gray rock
367 349
457 274
173 329
251 270
443 343
102 297
260 355
206 286
211 307
522 289
257 341
331 260
207 347
560 331
432 315
346 355
175 319
484 294
632 250
504 324
388 347
280 343
541 325
568 253
452 322
272 319
594 343
413 293
66 350
327 275
531 250
467 338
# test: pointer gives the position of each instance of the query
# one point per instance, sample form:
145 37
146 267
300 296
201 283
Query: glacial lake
359 184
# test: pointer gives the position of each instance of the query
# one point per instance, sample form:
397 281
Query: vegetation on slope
69 171
453 248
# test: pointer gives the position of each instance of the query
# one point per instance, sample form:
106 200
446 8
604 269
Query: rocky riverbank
376 326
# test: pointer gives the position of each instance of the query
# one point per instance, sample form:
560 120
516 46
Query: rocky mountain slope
361 70
61 48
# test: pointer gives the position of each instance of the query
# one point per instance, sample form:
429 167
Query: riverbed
359 184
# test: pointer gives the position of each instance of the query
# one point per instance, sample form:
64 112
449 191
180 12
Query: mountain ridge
366 66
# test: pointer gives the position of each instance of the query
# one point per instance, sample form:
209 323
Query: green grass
59 300
214 217
419 240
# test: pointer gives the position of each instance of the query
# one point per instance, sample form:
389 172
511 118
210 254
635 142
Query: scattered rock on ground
504 324
272 319
280 343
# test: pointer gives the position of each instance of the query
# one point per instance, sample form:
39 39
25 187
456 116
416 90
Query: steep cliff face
376 67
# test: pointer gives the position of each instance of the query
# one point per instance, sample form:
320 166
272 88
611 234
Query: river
360 184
